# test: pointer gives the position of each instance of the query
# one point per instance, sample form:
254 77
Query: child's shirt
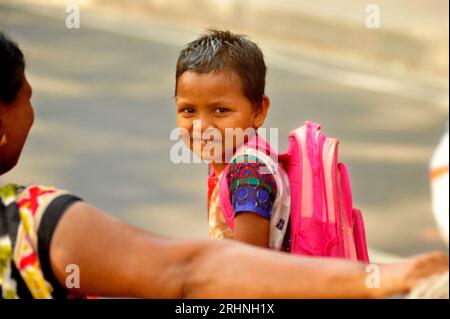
252 188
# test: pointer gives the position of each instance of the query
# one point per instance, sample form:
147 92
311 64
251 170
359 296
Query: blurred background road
103 97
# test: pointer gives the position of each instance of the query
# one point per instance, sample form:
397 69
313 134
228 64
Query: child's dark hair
219 50
12 66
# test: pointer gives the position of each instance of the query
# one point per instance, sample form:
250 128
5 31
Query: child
220 81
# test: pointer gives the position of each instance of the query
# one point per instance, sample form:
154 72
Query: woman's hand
402 277
421 267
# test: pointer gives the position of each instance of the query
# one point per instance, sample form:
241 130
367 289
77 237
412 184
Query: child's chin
210 158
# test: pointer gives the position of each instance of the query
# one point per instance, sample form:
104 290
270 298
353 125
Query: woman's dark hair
12 66
218 50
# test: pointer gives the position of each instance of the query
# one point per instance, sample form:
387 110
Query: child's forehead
223 80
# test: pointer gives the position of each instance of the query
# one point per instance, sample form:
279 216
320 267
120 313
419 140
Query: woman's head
16 113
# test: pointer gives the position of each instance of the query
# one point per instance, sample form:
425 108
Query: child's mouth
205 142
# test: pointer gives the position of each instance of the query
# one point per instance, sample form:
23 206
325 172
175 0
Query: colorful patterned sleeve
29 216
252 188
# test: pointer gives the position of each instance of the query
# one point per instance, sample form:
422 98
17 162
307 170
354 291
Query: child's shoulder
256 153
249 170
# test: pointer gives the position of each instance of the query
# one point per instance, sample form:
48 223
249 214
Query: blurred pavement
413 34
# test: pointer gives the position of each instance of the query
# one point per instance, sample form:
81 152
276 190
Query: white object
439 186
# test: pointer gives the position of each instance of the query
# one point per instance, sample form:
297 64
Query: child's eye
221 110
187 110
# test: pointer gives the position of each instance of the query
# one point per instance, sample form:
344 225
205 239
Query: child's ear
262 111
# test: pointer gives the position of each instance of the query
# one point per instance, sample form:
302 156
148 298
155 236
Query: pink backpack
323 222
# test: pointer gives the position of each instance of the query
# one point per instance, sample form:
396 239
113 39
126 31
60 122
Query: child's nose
206 123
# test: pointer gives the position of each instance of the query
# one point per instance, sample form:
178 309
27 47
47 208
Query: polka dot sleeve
252 188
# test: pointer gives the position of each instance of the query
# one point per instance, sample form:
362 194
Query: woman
45 231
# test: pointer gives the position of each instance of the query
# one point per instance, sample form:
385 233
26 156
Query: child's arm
252 229
252 194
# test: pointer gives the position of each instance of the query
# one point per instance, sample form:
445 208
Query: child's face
218 101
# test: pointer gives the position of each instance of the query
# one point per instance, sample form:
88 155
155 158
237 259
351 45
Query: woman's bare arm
116 259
